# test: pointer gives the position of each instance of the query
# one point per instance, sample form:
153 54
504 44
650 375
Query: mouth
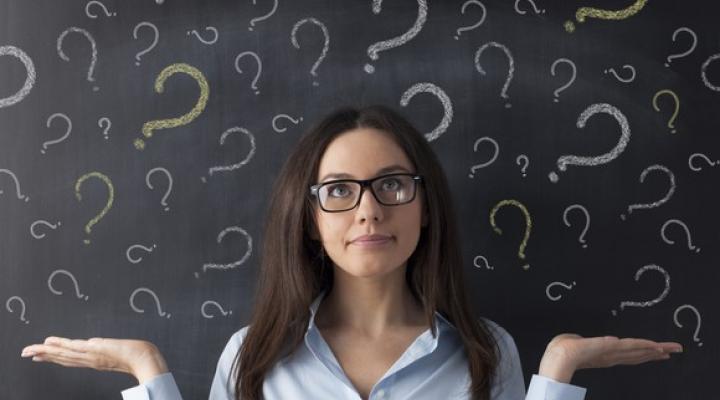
372 243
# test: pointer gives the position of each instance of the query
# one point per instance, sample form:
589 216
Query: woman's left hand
569 352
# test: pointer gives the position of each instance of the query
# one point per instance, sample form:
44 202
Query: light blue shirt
431 368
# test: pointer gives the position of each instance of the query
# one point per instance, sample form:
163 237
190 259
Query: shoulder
233 345
504 340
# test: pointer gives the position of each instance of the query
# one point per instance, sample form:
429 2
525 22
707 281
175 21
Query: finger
639 358
64 358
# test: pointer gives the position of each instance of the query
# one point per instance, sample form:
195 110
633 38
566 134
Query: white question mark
624 80
375 48
155 39
326 45
105 121
519 160
444 99
259 68
581 239
654 301
564 161
683 54
205 41
522 12
232 265
556 93
478 258
471 175
511 66
72 278
99 4
687 233
697 315
41 222
154 296
89 37
20 196
213 303
138 246
264 17
703 156
60 139
471 27
284 116
170 183
558 297
29 79
22 304
248 157
667 196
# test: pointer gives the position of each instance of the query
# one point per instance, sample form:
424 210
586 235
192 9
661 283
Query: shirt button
380 394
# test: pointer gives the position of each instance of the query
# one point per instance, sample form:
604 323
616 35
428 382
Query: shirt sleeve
161 387
509 383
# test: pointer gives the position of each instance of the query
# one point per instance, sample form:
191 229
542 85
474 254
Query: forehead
361 152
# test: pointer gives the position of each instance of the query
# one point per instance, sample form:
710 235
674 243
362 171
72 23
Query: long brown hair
292 271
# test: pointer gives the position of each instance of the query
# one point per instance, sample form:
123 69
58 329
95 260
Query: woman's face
361 153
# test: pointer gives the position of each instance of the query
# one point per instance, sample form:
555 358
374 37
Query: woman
361 291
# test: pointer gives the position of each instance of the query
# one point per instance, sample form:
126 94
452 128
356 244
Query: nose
369 206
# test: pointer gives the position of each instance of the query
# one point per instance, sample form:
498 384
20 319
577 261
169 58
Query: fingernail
27 353
36 358
677 350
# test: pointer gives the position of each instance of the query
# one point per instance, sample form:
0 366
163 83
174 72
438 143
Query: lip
374 240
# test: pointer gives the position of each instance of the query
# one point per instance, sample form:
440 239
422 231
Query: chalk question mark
152 45
375 48
259 67
105 121
687 52
427 87
20 196
471 175
68 122
72 278
22 307
511 66
704 157
649 303
205 41
326 44
215 304
154 296
581 239
460 30
170 183
584 12
658 203
41 222
523 12
685 228
248 157
553 284
29 79
108 204
618 77
477 259
519 160
99 4
528 224
264 17
89 37
556 93
138 246
677 106
284 116
237 263
697 316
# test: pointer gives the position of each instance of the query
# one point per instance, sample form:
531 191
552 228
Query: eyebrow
390 168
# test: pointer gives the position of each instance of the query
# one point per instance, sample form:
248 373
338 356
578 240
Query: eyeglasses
345 194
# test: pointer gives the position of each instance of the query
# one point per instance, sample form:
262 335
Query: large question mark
654 204
170 183
251 153
138 246
111 196
264 17
155 39
685 228
213 303
697 315
22 304
170 70
558 297
20 196
89 37
99 4
63 137
564 161
205 41
284 116
259 67
677 106
704 157
326 44
29 79
683 54
375 48
584 12
154 296
581 239
41 222
528 224
235 264
623 80
431 88
460 30
556 93
72 278
511 66
471 175
105 121
638 274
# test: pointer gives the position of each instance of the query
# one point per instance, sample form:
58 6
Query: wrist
149 366
556 367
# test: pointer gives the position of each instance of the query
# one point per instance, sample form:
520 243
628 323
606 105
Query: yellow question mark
528 224
149 126
677 106
584 12
111 196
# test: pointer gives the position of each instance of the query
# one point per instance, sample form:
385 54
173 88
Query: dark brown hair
292 273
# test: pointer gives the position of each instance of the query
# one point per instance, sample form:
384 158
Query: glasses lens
390 190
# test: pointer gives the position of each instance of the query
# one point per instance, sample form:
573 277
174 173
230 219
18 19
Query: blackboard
488 82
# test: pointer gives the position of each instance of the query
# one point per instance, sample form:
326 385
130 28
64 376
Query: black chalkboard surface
139 142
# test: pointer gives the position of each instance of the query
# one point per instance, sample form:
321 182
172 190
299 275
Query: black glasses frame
315 189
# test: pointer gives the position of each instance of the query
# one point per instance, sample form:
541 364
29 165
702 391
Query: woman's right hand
139 358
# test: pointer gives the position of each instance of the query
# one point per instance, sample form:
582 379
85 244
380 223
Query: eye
394 184
341 186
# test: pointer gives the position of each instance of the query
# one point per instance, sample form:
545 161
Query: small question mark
235 264
284 116
638 274
326 45
170 70
558 297
60 139
683 54
478 258
111 196
584 12
89 37
623 80
581 239
29 79
528 224
41 222
687 233
22 305
460 30
138 246
205 41
669 194
154 296
264 17
486 163
170 182
72 278
697 315
522 12
511 66
522 157
20 196
556 93
375 48
259 68
213 303
677 106
704 157
155 39
564 161
106 121
427 87
99 4
251 153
